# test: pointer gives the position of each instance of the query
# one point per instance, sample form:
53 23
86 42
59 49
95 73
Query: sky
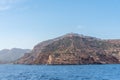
25 23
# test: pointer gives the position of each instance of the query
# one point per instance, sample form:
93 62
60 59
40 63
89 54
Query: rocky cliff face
73 49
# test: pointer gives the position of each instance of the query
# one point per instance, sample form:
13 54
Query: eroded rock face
73 49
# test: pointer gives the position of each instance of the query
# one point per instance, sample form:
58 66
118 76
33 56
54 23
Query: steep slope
7 55
72 49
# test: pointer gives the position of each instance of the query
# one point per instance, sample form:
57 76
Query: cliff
74 49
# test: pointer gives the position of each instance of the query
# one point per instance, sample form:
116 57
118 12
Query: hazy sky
24 23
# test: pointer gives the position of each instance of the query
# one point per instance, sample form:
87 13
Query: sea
60 72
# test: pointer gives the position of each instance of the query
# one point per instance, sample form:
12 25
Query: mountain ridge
73 48
10 55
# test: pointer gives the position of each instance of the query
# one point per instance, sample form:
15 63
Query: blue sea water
60 72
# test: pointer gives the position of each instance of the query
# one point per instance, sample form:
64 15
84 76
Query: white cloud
79 27
4 2
2 8
7 4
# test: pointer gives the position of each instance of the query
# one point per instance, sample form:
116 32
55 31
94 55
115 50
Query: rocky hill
74 49
7 56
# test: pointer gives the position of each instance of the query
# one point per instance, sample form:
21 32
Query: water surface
57 72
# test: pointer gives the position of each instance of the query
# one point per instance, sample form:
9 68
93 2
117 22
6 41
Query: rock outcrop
73 49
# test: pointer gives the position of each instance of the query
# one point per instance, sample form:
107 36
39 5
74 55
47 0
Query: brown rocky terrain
74 49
